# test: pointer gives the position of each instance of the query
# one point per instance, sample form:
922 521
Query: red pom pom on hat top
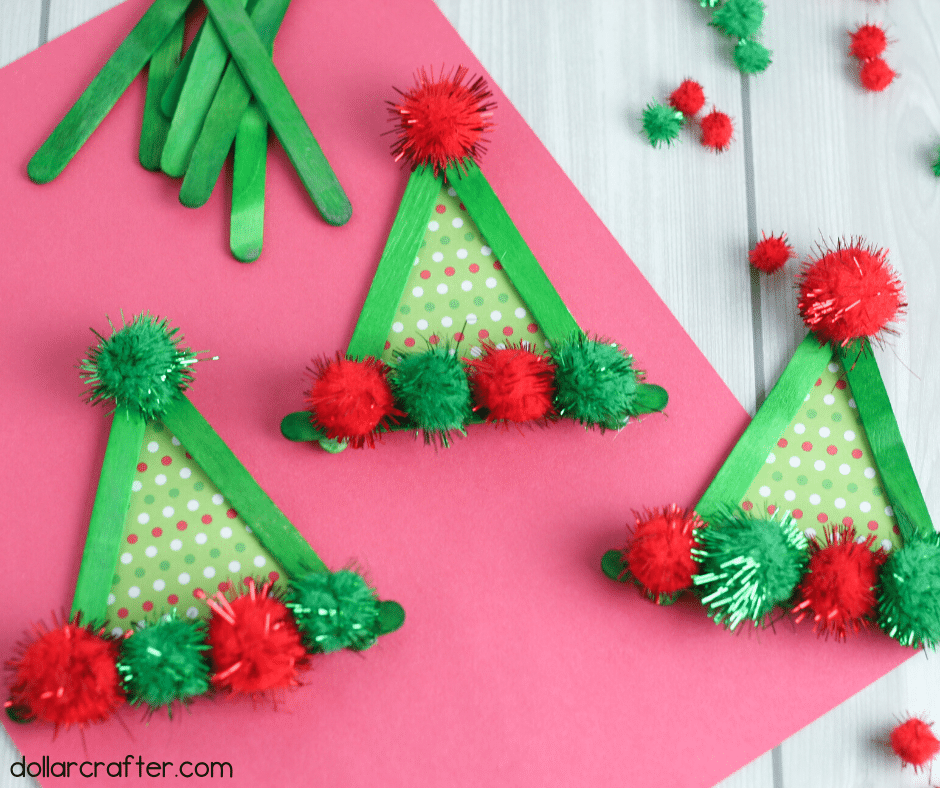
914 743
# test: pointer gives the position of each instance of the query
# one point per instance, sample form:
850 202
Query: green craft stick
267 522
511 250
246 231
402 247
106 527
105 89
205 71
228 106
282 112
171 95
155 124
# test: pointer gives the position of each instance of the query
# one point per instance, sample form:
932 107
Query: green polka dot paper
458 292
180 535
822 470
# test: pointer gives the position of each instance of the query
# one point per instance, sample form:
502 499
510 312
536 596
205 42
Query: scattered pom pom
868 41
908 599
442 121
876 75
595 382
771 253
140 366
66 676
751 57
838 590
661 124
850 292
432 389
351 400
913 741
717 130
659 556
748 565
936 164
164 662
255 643
334 610
512 384
688 98
739 18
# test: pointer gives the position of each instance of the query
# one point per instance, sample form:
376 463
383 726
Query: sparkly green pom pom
751 57
909 593
432 388
748 565
164 662
140 366
595 383
335 611
662 124
739 18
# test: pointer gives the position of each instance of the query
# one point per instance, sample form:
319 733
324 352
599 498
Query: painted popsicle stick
172 93
228 106
246 231
281 110
163 66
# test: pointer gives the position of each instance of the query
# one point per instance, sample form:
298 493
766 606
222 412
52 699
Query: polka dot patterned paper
822 470
180 535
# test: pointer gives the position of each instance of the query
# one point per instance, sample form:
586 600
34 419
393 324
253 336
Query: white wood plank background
814 155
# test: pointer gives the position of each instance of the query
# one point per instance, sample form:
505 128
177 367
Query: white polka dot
185 473
111 599
451 191
862 539
133 592
819 465
486 251
208 572
152 446
799 428
829 399
422 324
437 257
466 285
150 552
865 506
789 495
192 612
418 292
398 327
844 469
496 315
417 260
175 441
471 319
889 511
814 499
869 473
520 312
446 321
457 222
764 491
886 544
806 398
849 435
823 432
833 367
247 529
852 403
192 505
201 538
136 486
117 632
771 458
476 352
840 503
810 533
501 345
461 254
176 544
158 585
433 226
491 282
794 462
225 532
259 561
234 566
168 511
183 578
442 288
143 518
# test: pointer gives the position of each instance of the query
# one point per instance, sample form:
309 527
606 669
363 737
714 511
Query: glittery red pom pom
688 98
717 131
850 292
442 121
351 400
659 556
512 384
255 643
838 590
771 253
868 41
914 743
876 75
66 676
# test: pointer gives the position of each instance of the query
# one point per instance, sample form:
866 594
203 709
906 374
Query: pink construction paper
520 663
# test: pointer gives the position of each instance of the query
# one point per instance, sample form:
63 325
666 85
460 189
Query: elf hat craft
142 628
461 324
816 511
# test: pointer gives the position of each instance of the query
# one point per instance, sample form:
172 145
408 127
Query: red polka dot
172 599
747 506
840 384
818 382
132 538
458 336
273 576
450 270
782 443
847 521
857 454
498 265
207 518
231 514
807 446
438 208
189 456
387 344
896 530
181 525
872 525
483 333
199 593
148 605
158 531
532 328
507 331
167 460
832 450
410 342
425 274
797 514
771 509
462 207
822 517
474 268
141 467
434 339
224 586
122 613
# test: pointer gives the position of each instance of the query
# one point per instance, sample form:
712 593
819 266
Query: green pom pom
909 593
739 18
748 565
936 164
432 388
141 366
751 57
662 124
595 383
164 662
334 611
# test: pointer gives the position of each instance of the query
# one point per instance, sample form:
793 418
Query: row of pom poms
744 567
353 401
742 20
662 123
254 642
868 43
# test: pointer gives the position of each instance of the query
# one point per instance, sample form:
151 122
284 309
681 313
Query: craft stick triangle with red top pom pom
271 604
816 512
461 324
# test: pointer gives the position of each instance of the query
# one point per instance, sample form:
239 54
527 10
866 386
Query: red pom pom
717 130
67 676
442 121
512 384
850 292
868 41
255 643
688 98
659 557
771 253
914 743
838 589
876 75
351 400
